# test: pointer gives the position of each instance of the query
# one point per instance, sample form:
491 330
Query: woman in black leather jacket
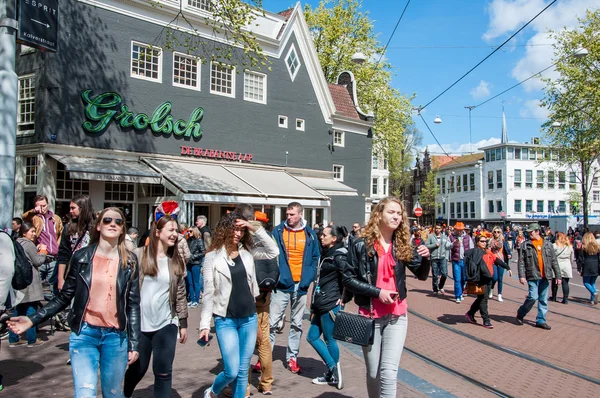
102 280
376 274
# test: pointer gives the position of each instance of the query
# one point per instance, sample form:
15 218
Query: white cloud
481 91
506 16
532 108
460 149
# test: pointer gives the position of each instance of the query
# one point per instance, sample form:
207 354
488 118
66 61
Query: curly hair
223 234
400 237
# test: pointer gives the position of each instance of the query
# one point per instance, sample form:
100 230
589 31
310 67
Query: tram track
507 350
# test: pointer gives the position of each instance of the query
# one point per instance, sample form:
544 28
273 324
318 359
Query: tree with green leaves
230 20
573 100
427 196
340 29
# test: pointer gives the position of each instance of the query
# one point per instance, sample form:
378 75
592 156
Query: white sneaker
491 295
442 291
458 300
500 298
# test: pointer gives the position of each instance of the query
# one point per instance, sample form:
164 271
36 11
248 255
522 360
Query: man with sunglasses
438 245
538 265
354 234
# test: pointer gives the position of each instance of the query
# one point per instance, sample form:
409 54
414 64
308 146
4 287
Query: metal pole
8 111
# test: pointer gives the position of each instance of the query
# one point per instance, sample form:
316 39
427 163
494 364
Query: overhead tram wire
489 55
392 35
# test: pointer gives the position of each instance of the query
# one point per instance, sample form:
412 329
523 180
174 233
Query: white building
509 182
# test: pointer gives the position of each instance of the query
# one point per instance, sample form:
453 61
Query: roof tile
343 101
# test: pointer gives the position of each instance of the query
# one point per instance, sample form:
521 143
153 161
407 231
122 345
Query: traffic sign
38 24
418 211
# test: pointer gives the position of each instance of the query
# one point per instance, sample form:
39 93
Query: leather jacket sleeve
355 273
133 309
419 266
62 299
64 249
181 304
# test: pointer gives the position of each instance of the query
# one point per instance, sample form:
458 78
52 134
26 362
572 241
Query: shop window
153 191
31 171
66 187
126 208
255 87
118 191
186 71
146 62
283 121
300 124
338 172
374 186
222 79
204 5
338 138
292 62
26 116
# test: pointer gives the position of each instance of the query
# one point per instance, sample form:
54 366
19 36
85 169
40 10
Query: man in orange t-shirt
299 251
537 266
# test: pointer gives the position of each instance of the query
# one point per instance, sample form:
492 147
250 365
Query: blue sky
438 41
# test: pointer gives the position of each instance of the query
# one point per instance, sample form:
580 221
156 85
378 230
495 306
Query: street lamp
358 58
437 119
446 199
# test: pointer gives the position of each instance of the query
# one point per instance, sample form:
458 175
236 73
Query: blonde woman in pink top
376 274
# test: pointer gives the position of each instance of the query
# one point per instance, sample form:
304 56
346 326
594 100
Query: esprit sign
38 24
101 110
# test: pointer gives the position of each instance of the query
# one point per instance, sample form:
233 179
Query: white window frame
374 184
341 172
300 124
198 71
284 124
385 186
342 135
295 72
232 69
202 5
31 171
264 88
148 47
21 130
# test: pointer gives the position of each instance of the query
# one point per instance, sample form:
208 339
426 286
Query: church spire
504 139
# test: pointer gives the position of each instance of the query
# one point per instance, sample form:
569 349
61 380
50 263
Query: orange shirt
539 243
102 306
294 242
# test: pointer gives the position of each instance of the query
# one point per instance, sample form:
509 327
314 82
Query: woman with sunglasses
163 307
499 247
229 267
485 259
102 281
376 273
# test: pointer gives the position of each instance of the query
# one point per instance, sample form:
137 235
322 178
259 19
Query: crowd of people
128 296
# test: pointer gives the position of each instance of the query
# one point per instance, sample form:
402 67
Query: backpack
23 275
267 272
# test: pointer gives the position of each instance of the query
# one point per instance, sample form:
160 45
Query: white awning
196 180
329 186
108 169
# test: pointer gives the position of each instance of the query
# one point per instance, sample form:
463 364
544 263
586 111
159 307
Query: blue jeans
538 290
237 338
498 275
439 267
195 282
279 303
24 309
328 350
590 284
460 278
98 347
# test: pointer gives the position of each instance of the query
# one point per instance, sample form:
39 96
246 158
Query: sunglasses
108 220
483 241
496 232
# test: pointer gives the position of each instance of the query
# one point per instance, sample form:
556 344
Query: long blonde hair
400 237
589 244
95 238
562 240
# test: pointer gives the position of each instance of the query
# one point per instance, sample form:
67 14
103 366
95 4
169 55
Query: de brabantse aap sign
38 24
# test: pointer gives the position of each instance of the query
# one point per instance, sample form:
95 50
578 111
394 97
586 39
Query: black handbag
355 328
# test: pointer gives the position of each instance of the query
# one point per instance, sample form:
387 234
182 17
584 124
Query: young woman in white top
566 262
163 307
228 267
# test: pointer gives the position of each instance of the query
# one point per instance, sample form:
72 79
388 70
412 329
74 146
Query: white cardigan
217 277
